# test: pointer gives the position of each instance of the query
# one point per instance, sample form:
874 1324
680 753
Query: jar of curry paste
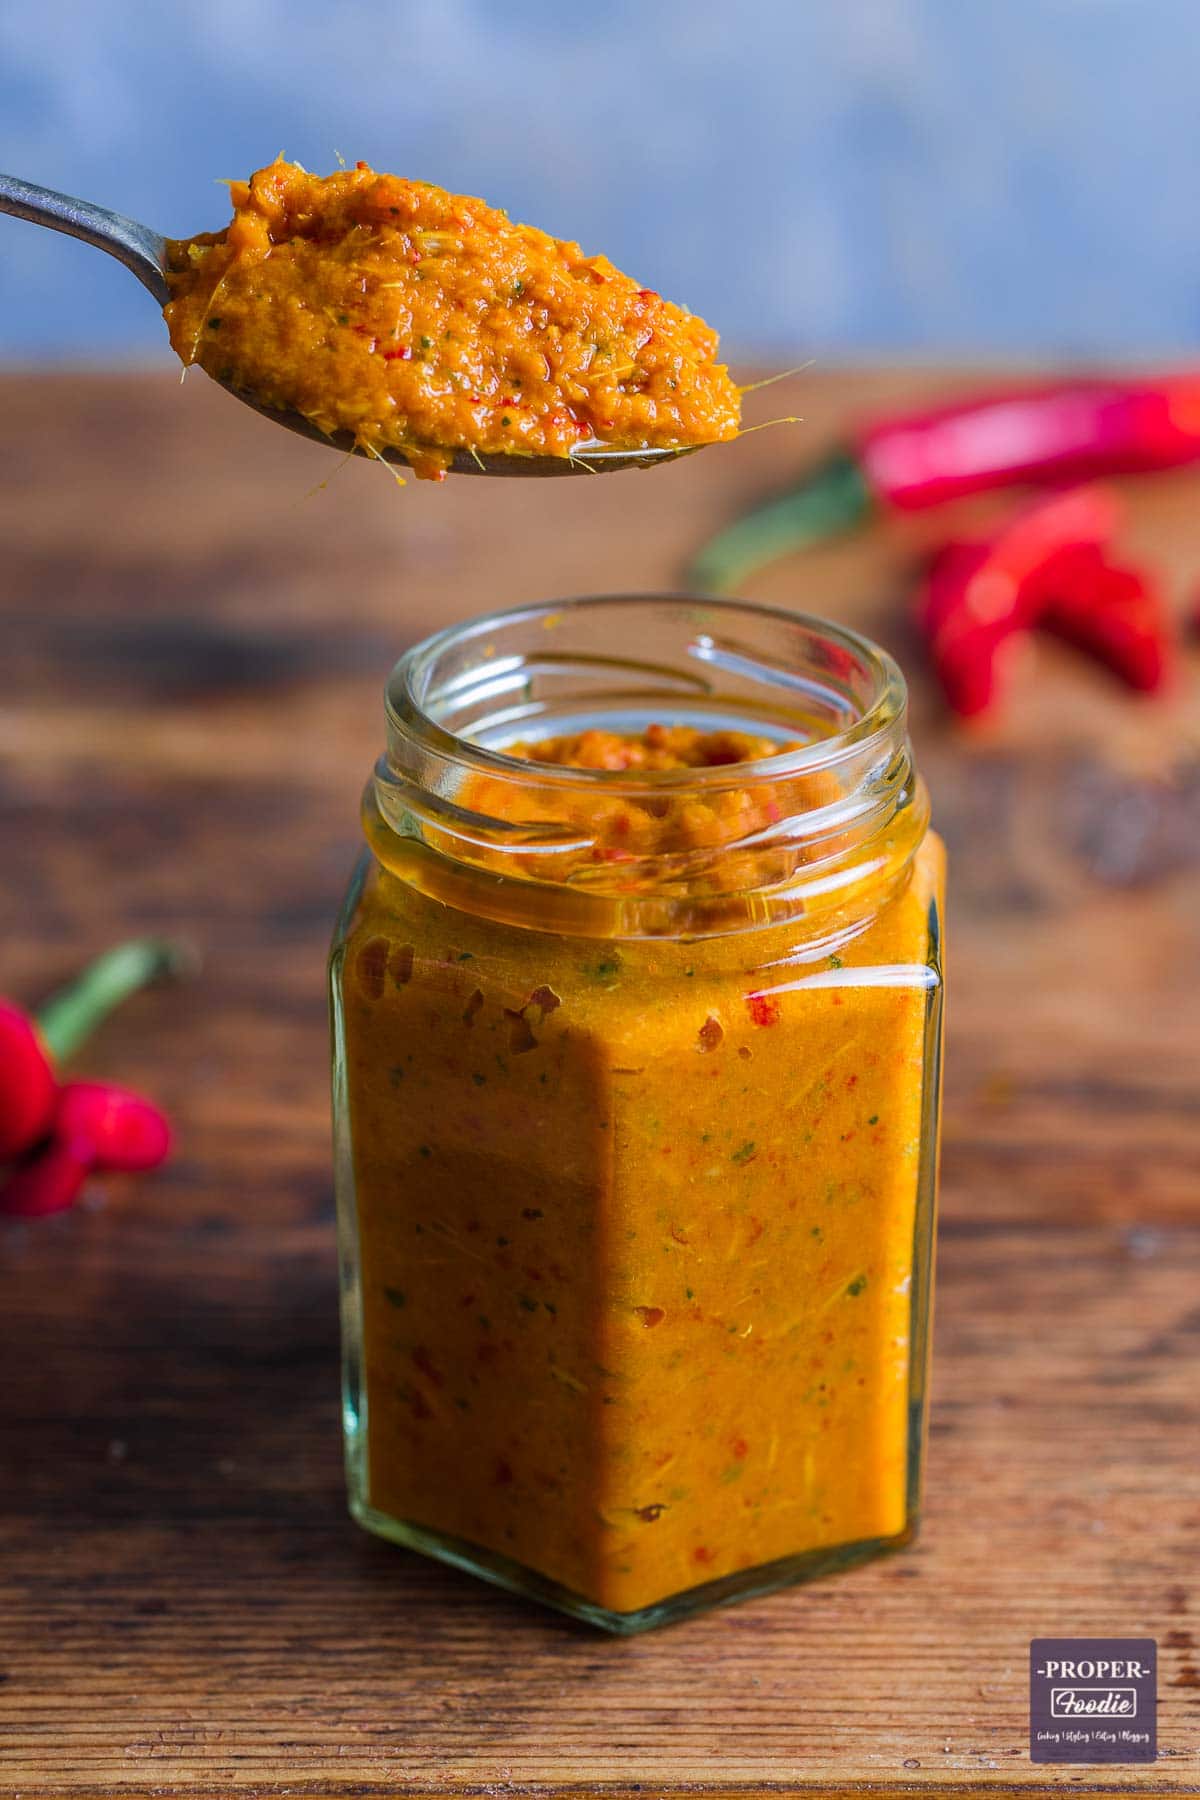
637 1006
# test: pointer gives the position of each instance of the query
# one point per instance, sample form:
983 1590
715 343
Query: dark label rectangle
1093 1700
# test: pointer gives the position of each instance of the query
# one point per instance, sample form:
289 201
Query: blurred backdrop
833 176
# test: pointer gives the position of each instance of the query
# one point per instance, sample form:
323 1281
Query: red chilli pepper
977 596
1061 432
1068 431
56 1135
1048 567
1002 583
95 1127
32 1044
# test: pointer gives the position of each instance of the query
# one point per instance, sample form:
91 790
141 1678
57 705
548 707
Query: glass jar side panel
766 1245
478 1159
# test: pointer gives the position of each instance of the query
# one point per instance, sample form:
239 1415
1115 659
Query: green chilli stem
69 1017
834 499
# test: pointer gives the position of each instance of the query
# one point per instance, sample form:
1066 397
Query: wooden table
194 646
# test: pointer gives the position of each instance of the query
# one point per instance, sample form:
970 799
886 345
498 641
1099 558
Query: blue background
813 175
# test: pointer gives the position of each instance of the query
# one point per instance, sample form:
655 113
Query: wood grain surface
195 639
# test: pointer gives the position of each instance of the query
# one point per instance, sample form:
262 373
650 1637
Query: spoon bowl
144 254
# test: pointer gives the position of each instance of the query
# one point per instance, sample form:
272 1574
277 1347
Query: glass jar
636 1079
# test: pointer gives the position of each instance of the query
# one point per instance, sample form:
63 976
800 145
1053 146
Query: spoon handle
141 250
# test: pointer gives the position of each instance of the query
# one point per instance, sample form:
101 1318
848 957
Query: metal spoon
144 253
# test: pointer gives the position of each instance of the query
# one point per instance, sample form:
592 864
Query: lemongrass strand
322 485
787 419
373 453
752 387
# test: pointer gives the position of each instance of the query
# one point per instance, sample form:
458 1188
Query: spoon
144 253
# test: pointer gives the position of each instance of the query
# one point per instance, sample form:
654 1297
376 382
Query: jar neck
819 834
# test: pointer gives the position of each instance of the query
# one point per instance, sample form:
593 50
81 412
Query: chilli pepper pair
1049 566
54 1135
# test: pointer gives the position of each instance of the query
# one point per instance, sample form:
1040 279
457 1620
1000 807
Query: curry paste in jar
638 1220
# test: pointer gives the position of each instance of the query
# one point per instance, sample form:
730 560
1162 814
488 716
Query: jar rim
408 688
822 828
